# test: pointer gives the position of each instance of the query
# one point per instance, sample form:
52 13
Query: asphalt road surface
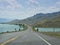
27 37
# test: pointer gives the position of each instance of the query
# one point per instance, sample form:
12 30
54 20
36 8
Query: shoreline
52 34
11 31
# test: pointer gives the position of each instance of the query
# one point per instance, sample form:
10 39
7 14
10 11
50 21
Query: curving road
27 37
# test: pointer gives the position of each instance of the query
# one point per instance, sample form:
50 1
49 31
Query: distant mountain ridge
3 20
39 18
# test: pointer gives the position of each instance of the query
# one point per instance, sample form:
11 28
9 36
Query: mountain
39 18
3 20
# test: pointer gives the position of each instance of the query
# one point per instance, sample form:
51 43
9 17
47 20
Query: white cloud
46 9
14 14
51 9
33 1
31 7
12 4
58 3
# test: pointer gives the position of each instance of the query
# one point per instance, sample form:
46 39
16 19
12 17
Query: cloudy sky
20 9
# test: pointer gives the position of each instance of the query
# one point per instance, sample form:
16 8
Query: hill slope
41 19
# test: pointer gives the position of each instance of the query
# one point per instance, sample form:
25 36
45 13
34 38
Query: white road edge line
42 39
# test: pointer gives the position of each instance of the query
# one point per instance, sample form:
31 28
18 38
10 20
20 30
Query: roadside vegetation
53 34
48 24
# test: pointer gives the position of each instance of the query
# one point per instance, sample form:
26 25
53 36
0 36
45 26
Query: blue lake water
48 29
7 27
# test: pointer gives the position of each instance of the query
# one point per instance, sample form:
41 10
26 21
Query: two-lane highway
29 37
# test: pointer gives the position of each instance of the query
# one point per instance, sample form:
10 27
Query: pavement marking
9 40
42 39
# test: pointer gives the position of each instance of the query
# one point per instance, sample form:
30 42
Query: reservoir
48 29
9 27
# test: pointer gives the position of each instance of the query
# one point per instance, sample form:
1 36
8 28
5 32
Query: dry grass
54 34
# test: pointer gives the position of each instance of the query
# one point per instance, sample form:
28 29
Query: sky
21 9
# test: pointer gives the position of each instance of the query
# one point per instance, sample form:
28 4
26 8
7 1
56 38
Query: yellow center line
9 40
